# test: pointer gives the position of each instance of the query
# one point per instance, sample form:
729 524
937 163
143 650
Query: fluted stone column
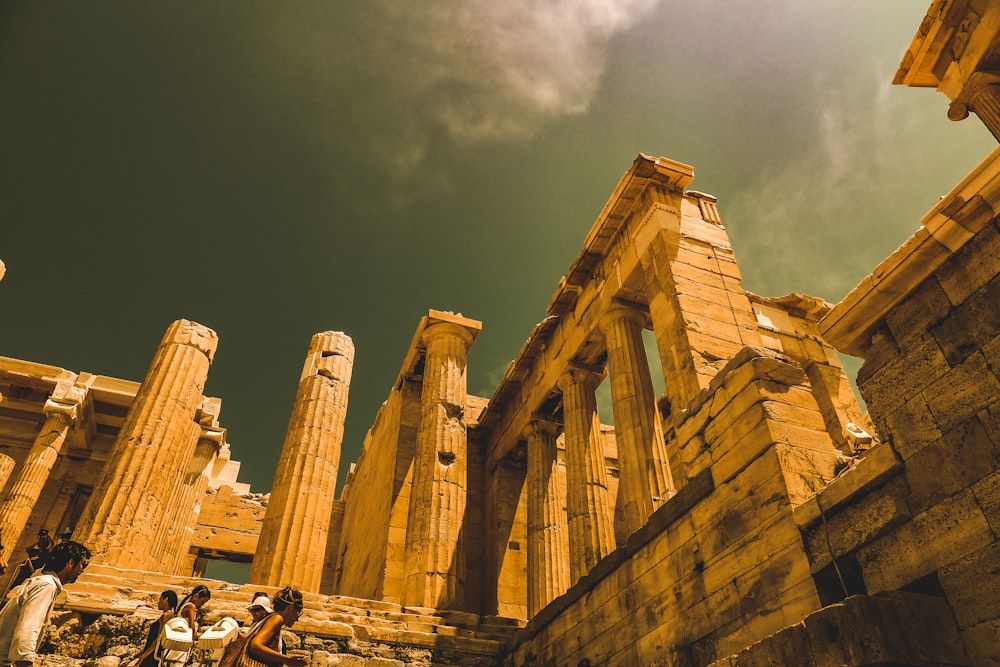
295 530
645 472
981 96
548 563
189 499
61 412
434 569
6 468
123 520
588 503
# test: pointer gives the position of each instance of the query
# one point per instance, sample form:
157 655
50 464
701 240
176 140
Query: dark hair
285 597
199 591
63 553
171 597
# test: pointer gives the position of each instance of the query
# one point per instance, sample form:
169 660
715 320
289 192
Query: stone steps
108 590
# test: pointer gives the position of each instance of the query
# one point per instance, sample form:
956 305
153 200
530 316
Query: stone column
588 503
190 497
548 563
6 468
123 519
434 571
981 96
645 473
295 530
61 411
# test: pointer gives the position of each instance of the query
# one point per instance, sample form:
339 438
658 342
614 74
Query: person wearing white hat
260 607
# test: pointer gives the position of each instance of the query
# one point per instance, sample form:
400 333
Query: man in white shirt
24 615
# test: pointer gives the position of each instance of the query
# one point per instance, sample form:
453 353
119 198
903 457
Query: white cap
263 602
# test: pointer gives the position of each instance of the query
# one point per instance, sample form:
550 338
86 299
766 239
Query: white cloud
486 70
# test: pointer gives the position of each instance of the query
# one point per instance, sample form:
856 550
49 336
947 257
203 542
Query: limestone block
696 229
964 456
925 307
981 643
970 325
754 552
873 469
976 263
972 585
807 470
879 350
987 494
847 528
899 629
911 427
788 647
766 436
962 391
903 376
943 534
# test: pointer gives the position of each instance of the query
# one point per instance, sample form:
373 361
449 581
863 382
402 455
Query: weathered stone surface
456 508
295 529
901 629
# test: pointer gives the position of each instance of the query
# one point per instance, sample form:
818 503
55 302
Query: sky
273 170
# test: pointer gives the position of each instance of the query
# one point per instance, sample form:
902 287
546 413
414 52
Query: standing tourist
265 641
24 616
260 607
166 604
188 609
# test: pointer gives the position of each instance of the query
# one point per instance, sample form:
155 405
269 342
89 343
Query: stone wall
924 514
720 564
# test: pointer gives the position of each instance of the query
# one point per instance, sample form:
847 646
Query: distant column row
590 515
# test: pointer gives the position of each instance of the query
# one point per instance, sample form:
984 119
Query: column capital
66 412
65 402
573 376
215 436
981 96
208 412
192 334
440 330
538 428
620 311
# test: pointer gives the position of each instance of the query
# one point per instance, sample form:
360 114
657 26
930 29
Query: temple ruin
750 514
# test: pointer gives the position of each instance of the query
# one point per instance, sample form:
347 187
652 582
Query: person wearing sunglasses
25 614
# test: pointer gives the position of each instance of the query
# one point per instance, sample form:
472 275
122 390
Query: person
265 643
24 615
260 607
39 551
195 600
37 554
148 656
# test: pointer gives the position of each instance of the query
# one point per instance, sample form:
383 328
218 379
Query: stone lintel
944 230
